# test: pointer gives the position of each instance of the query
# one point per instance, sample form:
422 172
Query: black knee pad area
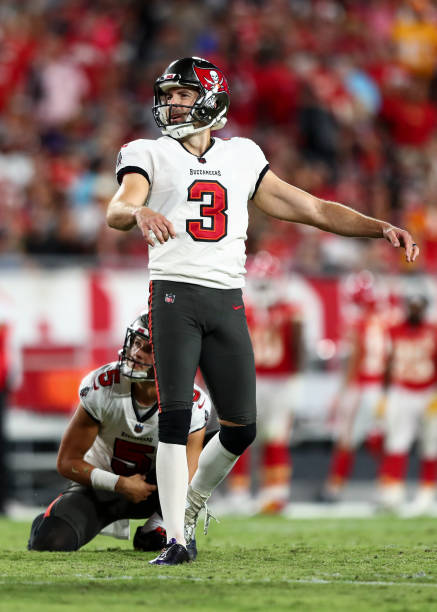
52 533
174 425
237 439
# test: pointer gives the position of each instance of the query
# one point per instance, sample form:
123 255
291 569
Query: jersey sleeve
257 165
135 157
200 411
90 397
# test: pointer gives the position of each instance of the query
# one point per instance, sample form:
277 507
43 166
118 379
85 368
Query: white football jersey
127 441
206 200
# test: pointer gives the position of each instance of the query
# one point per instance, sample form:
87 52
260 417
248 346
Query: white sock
172 477
152 523
215 463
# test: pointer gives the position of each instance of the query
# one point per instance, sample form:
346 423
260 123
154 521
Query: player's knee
237 439
174 424
52 534
34 530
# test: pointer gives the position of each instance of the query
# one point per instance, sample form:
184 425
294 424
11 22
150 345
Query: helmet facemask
415 307
135 359
166 115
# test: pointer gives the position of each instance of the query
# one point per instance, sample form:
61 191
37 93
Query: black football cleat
150 540
172 554
192 550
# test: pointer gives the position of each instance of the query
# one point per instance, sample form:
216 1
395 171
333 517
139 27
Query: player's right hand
150 221
134 488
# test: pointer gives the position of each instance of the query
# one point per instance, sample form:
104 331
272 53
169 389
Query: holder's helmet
212 103
135 358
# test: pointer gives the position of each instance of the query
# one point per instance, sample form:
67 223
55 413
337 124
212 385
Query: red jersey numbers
108 378
214 223
131 458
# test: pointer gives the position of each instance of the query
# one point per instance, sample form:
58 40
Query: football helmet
361 290
129 363
264 265
265 276
212 103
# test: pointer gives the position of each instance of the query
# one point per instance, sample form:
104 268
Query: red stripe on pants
49 509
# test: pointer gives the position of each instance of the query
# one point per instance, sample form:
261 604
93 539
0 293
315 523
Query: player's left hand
399 237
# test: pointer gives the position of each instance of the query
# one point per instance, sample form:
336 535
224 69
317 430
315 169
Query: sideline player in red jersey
188 192
361 395
109 451
275 326
412 376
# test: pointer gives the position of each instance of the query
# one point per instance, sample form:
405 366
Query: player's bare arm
76 441
297 343
194 448
127 209
284 201
354 357
388 372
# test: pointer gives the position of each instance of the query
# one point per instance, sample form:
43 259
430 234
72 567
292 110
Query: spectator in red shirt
409 114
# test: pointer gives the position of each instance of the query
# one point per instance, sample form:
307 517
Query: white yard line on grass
295 510
314 580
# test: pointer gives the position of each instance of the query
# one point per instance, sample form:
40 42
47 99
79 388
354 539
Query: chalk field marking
91 578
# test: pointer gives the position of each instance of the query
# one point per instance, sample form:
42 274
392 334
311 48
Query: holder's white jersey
206 200
127 440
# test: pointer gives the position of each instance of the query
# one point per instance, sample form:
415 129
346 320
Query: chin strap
180 131
177 132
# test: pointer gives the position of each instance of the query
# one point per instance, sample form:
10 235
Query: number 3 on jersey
215 210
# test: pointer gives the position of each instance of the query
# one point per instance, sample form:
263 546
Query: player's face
266 291
416 312
140 354
181 100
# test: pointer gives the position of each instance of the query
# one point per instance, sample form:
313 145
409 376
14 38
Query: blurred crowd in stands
340 94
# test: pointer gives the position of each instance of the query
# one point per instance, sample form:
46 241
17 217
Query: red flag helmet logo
212 79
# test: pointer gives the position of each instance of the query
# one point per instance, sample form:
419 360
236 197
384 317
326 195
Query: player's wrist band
103 480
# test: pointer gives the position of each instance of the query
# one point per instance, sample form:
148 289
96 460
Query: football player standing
411 380
357 405
187 192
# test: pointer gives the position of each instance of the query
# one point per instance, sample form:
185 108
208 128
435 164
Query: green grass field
244 564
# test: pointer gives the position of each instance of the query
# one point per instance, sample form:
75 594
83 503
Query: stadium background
341 96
